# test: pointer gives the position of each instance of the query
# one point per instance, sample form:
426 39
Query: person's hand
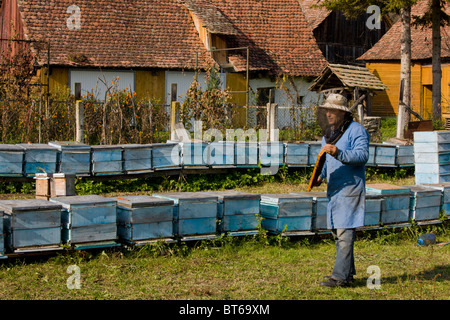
318 182
331 149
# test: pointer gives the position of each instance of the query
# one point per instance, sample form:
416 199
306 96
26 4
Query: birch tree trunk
403 116
436 60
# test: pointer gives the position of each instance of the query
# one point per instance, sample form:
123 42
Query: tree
353 8
435 17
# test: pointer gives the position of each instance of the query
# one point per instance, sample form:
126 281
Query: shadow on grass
439 273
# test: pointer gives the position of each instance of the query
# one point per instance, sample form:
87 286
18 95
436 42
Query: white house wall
95 80
183 80
285 100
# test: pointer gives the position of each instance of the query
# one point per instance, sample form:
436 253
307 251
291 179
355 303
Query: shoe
330 282
329 277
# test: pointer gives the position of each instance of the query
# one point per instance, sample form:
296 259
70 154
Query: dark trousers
344 266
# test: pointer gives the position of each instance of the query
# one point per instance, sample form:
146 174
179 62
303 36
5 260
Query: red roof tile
314 15
277 34
161 34
388 47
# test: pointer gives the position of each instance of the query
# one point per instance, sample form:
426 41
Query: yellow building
384 61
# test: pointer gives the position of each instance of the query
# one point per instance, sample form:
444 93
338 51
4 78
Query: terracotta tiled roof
277 34
314 15
116 33
388 48
161 34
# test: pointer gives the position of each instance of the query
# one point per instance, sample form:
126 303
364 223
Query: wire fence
124 121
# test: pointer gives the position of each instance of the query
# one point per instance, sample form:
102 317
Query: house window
264 95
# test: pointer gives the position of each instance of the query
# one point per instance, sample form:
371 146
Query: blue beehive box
320 205
144 218
195 214
405 156
106 160
314 150
246 154
221 154
297 154
271 153
194 154
11 160
237 212
2 236
88 221
385 155
396 202
371 160
73 157
39 158
166 156
287 213
372 213
444 188
432 157
137 158
425 203
31 224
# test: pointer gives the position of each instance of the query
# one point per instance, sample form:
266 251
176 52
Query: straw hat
336 101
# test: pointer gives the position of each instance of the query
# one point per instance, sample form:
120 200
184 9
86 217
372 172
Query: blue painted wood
405 156
314 149
371 160
433 168
40 158
236 211
395 198
88 218
373 206
73 157
144 218
385 154
444 188
286 212
31 223
320 205
11 160
386 188
194 154
246 154
106 160
194 213
432 136
2 235
166 156
221 153
425 203
271 153
297 154
137 158
432 157
431 147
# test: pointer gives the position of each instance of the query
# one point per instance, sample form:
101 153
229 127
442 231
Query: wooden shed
351 81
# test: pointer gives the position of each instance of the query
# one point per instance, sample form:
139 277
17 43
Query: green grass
259 267
255 267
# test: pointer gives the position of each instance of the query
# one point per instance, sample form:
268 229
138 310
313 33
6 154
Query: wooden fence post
272 120
79 111
174 118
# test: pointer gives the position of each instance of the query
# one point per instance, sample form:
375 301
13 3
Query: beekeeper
346 143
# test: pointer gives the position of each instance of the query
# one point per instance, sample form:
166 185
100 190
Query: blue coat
346 179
